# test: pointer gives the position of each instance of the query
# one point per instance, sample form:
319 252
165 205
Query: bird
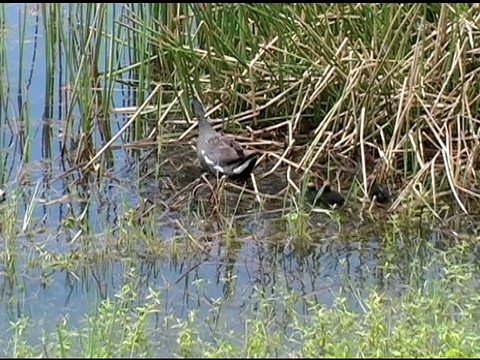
220 154
326 197
381 193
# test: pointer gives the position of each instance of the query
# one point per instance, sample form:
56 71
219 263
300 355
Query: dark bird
381 193
220 154
324 195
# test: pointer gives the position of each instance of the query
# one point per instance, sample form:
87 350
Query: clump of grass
347 91
422 321
342 90
378 84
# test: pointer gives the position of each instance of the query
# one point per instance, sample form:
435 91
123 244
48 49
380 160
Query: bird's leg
255 188
211 197
215 191
218 190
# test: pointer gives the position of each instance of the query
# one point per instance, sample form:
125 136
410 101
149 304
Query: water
265 255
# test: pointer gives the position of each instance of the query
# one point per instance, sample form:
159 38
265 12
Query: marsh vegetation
112 243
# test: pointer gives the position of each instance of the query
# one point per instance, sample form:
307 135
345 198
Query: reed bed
385 91
345 92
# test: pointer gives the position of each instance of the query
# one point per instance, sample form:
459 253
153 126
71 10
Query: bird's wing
224 151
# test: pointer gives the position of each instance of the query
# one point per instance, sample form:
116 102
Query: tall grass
393 87
386 91
348 91
3 95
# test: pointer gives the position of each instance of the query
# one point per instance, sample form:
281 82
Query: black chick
326 197
381 193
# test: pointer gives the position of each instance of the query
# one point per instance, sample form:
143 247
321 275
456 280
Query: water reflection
229 272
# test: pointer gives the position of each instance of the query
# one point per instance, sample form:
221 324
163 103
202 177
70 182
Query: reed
341 91
391 87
